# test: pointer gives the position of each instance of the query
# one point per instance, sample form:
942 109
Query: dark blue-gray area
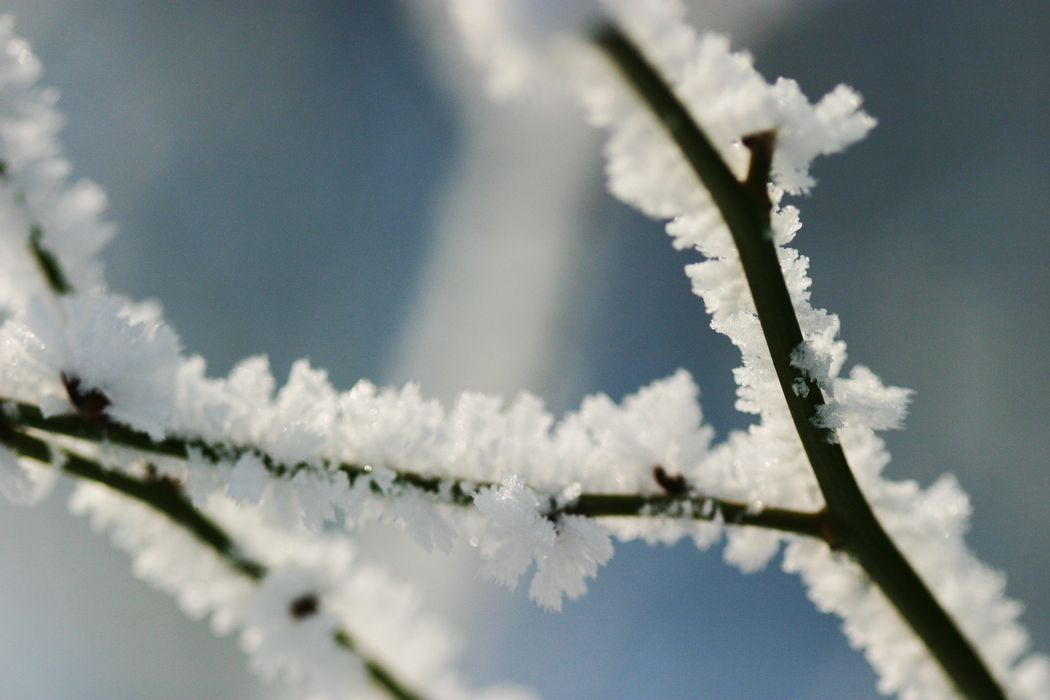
674 622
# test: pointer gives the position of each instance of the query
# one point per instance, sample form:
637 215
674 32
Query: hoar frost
279 478
767 465
34 187
567 549
98 344
380 614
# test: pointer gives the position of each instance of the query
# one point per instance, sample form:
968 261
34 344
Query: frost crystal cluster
275 469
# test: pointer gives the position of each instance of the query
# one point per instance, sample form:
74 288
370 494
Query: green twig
165 495
604 505
379 675
851 521
49 267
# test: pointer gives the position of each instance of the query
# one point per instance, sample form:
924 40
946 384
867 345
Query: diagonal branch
47 261
165 496
853 525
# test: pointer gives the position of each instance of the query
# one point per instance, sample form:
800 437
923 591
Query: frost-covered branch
165 496
49 265
241 499
677 499
853 526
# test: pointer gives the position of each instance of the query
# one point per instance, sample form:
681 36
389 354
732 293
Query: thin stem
851 521
165 496
604 505
46 260
379 674
674 504
162 494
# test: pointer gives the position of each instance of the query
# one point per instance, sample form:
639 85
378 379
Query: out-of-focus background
327 180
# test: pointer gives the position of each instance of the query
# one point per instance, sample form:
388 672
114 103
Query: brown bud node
304 606
673 484
89 402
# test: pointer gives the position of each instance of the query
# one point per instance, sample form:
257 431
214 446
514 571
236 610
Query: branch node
89 402
833 536
304 606
672 484
761 145
163 481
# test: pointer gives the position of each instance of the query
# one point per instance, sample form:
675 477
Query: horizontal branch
604 505
673 503
852 524
165 496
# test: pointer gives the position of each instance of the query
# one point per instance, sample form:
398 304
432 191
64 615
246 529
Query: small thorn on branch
761 145
89 402
673 484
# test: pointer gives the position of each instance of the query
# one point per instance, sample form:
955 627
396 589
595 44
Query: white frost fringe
127 352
